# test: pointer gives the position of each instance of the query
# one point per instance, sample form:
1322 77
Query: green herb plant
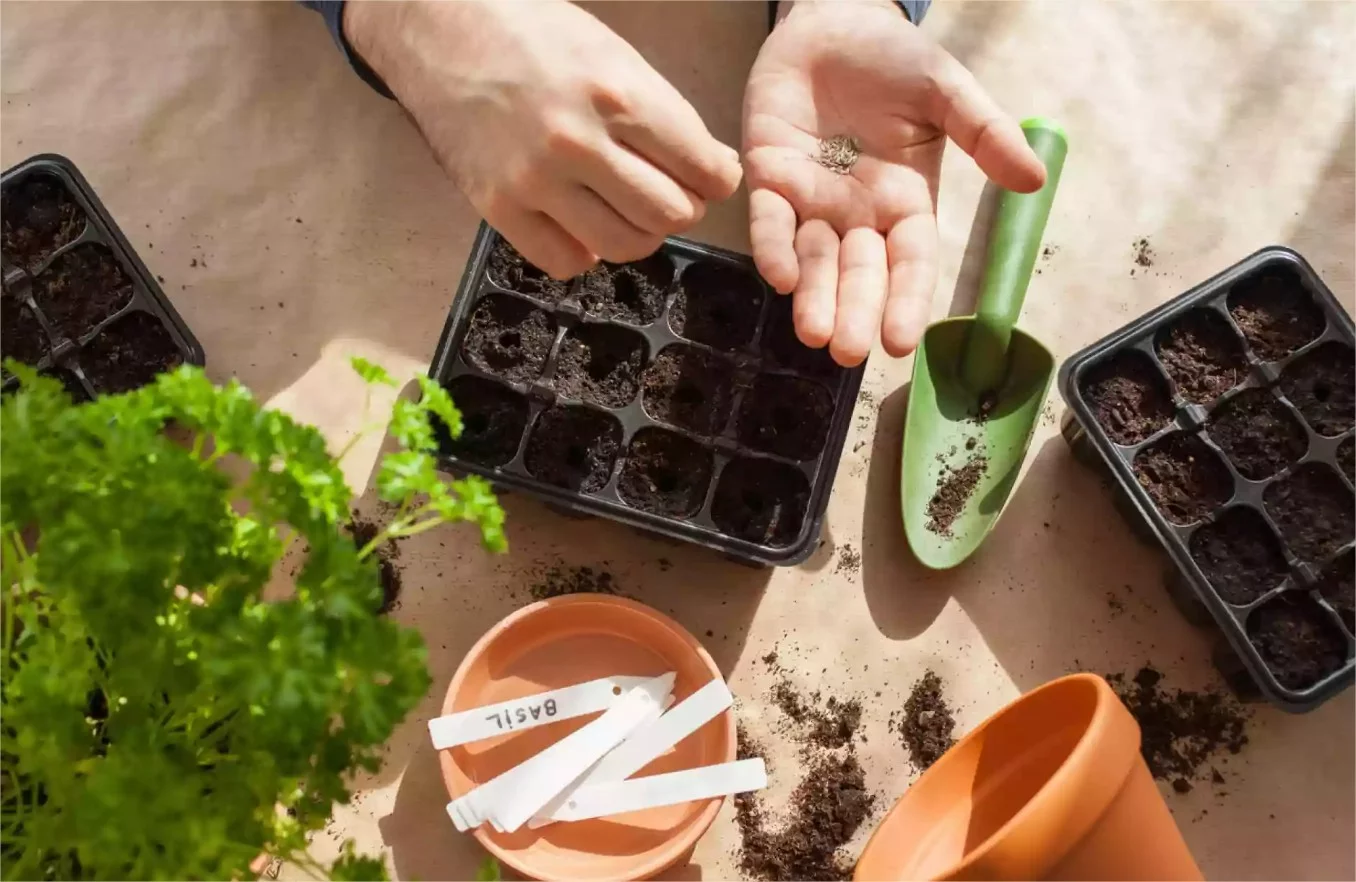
160 718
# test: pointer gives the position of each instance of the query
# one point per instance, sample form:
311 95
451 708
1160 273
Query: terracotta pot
560 642
1051 787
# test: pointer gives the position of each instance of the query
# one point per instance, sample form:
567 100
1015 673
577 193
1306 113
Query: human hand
558 132
858 246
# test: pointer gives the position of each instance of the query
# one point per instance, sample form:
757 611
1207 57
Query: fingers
543 242
971 118
861 296
911 249
815 308
669 133
646 197
772 232
597 225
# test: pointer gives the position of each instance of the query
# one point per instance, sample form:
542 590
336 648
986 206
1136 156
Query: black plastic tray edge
791 555
1286 699
187 342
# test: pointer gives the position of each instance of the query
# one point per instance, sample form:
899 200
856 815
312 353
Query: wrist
368 27
787 8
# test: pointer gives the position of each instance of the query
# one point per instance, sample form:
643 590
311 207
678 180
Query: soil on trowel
509 337
780 343
628 292
1346 457
1322 384
21 335
761 501
80 289
1298 640
509 269
1185 479
1202 356
559 581
1258 433
129 354
493 418
1239 555
954 489
573 447
665 473
1337 584
717 305
785 416
1181 731
926 723
38 216
1128 397
363 532
1275 313
1313 511
601 364
688 388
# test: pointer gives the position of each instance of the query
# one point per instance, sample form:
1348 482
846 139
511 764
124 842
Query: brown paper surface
233 135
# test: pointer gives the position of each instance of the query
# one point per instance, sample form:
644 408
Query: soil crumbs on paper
1182 730
926 723
363 532
561 580
954 489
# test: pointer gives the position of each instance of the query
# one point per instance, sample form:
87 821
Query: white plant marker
511 798
653 791
646 743
529 711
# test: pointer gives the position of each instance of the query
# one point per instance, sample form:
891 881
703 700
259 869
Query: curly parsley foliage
157 712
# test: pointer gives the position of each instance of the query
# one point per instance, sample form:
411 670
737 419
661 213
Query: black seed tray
771 469
1296 585
75 356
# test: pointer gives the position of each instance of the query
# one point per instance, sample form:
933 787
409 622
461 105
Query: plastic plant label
529 711
647 743
511 798
653 791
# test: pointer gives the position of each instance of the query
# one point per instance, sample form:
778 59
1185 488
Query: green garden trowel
978 385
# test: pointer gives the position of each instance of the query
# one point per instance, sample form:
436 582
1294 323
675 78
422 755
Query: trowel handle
1014 242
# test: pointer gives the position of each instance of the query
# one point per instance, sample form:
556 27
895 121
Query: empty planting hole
627 290
783 420
576 456
475 423
753 500
665 480
510 339
688 393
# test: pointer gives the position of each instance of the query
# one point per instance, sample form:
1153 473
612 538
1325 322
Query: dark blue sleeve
333 13
913 9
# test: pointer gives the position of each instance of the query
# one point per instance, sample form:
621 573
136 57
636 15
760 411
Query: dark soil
509 337
509 269
1180 730
849 561
493 418
761 501
1275 313
827 808
1337 584
38 217
80 289
559 581
601 364
1128 397
927 723
1298 640
954 489
629 292
1143 252
665 473
688 388
830 726
1322 384
1239 555
21 335
1313 512
786 416
1258 433
1183 477
363 532
1346 457
784 348
717 305
1202 355
129 354
573 447
68 379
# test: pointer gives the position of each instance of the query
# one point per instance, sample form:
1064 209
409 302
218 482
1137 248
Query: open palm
860 249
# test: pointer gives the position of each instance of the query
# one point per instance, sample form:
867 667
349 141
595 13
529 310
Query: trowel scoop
978 385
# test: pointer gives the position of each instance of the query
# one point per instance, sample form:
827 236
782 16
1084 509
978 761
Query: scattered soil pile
560 580
926 723
1181 730
831 726
363 532
1142 252
954 490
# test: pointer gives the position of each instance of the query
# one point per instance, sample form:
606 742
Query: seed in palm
839 153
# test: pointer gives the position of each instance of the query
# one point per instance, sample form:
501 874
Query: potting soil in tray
1226 417
670 394
78 304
